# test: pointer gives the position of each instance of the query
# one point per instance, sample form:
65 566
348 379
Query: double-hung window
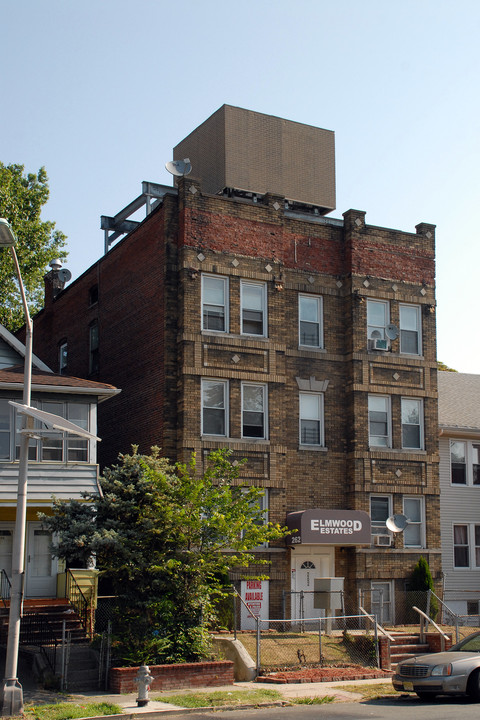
410 329
380 511
215 303
63 357
378 317
412 424
310 321
93 347
379 425
214 407
464 462
254 410
413 533
253 302
259 507
6 417
466 546
311 419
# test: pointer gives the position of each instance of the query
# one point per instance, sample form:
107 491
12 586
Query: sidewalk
155 709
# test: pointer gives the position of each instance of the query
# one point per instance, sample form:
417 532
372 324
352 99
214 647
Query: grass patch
323 700
219 698
68 711
291 648
370 692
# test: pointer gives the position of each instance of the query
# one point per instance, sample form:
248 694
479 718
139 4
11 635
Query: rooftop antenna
179 168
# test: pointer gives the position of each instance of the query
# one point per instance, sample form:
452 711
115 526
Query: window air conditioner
382 540
380 344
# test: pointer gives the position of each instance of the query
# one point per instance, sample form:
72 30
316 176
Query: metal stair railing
5 587
424 621
79 602
37 631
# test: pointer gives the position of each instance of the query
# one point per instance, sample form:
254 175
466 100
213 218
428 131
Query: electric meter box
328 593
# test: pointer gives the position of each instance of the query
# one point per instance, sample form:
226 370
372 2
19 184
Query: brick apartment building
237 314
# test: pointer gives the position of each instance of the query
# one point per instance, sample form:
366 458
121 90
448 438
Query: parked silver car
454 672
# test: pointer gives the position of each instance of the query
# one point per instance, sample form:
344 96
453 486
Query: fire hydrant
143 681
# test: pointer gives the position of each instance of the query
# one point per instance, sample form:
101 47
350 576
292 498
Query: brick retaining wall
173 677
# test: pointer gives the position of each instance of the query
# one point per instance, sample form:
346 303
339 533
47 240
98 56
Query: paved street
396 708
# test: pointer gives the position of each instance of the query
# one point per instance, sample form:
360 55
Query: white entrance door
306 566
41 567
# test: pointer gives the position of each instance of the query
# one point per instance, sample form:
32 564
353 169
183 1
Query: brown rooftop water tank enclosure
252 152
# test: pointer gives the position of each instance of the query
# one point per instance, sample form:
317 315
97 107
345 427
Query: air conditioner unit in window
380 344
382 540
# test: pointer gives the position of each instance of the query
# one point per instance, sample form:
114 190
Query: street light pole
12 689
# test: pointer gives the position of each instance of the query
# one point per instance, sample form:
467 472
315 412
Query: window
410 326
378 317
311 419
63 357
461 556
52 445
380 511
253 300
379 421
254 423
413 533
381 603
464 462
214 407
412 424
310 321
466 546
5 425
214 303
260 504
93 345
93 295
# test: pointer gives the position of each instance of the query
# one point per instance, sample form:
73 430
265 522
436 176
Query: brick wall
174 677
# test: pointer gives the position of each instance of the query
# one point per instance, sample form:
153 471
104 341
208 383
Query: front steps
405 645
48 612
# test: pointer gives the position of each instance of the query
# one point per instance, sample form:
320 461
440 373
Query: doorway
306 566
40 567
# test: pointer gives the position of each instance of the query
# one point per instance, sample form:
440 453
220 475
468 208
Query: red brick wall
173 677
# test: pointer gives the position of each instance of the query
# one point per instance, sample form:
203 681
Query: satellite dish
179 168
397 523
391 331
64 275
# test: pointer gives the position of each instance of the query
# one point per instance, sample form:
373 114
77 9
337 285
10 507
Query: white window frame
471 545
472 463
388 411
263 504
404 329
375 330
378 527
318 322
225 386
265 410
225 305
420 425
263 297
63 357
318 418
419 524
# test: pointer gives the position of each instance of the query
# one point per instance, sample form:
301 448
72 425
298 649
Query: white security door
382 605
305 568
41 567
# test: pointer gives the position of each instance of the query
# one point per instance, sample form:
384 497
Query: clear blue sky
100 91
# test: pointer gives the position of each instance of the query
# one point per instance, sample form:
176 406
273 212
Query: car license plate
408 686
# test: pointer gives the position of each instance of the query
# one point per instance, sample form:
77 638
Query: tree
445 368
22 197
421 579
166 538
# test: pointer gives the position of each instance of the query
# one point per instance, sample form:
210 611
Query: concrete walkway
155 708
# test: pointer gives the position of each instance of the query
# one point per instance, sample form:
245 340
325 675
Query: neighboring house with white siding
459 422
59 464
